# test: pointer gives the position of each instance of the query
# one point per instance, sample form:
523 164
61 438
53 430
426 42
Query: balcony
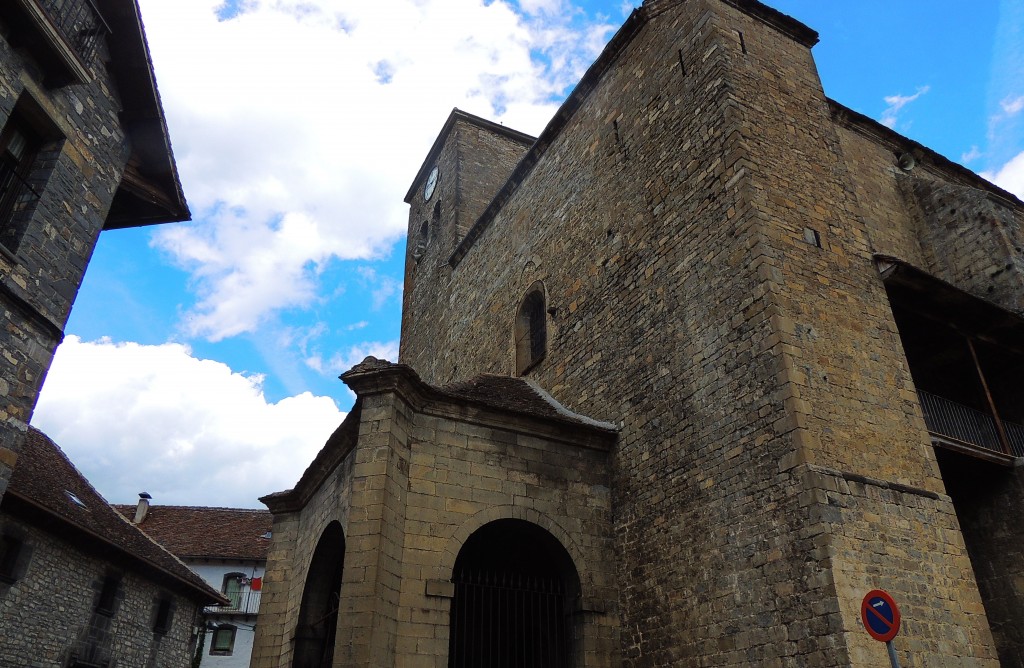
63 35
963 428
79 22
242 603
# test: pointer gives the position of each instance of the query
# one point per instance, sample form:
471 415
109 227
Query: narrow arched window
531 331
421 242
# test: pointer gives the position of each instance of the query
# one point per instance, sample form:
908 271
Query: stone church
680 381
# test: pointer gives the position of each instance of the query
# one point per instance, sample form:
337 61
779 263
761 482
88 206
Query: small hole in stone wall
610 233
682 64
812 237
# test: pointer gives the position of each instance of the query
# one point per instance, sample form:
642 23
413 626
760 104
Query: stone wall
41 275
936 216
51 606
708 263
472 164
419 481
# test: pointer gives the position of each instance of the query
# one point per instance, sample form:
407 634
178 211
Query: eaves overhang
935 299
150 191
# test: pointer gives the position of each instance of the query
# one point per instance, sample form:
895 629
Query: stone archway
318 613
516 592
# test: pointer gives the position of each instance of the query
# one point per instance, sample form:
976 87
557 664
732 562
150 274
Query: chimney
142 508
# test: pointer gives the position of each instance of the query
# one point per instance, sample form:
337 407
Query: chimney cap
145 495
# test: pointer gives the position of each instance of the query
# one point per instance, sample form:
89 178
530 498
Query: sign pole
892 655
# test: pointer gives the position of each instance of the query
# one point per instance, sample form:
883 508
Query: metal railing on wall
509 620
964 424
243 602
79 22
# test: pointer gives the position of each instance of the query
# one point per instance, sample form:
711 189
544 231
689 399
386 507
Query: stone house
227 548
736 355
79 585
83 148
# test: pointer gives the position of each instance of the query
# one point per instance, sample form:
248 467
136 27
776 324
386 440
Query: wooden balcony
63 35
970 431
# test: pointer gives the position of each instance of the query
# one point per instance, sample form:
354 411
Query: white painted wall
214 574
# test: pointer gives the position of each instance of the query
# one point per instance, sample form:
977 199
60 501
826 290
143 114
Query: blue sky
202 358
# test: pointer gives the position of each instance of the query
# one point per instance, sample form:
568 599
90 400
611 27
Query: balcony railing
242 603
966 425
78 22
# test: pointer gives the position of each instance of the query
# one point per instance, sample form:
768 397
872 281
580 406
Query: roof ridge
562 410
154 506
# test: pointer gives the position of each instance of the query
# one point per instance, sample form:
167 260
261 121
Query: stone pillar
368 617
272 645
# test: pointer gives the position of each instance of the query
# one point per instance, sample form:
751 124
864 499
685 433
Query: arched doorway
318 614
516 589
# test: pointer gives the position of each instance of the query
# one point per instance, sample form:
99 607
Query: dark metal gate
503 619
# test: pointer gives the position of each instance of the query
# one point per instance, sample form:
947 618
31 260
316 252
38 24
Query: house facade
80 587
779 349
83 148
227 548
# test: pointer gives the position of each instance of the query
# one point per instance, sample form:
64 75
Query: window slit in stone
743 43
531 329
618 140
682 64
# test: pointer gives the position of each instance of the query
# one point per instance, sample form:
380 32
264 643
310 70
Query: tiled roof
504 393
518 395
199 532
46 480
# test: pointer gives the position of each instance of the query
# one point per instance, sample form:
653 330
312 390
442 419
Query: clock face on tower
428 187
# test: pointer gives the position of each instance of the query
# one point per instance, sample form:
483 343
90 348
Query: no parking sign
881 617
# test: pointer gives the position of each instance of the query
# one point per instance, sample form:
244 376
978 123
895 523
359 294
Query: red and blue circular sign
880 615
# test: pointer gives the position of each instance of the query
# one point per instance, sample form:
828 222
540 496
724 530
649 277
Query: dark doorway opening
988 499
318 614
516 594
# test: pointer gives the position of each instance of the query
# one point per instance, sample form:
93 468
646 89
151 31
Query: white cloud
382 288
341 362
1012 106
896 104
971 156
298 124
154 418
1010 176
